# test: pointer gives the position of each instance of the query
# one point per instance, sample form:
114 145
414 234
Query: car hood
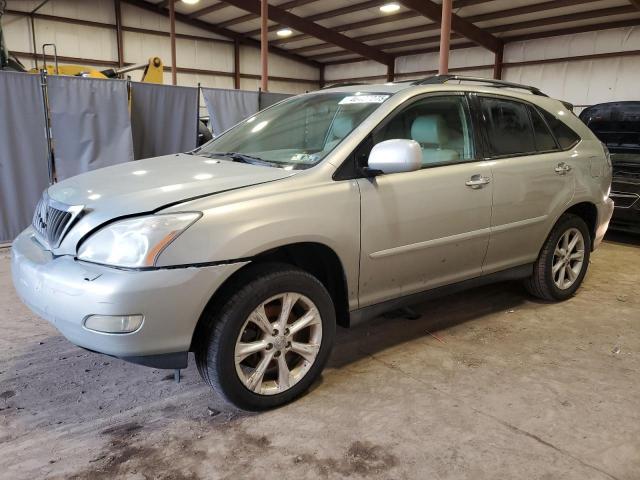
145 186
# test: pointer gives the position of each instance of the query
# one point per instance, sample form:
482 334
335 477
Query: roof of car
437 80
441 82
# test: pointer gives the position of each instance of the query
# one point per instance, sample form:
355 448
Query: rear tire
563 260
251 320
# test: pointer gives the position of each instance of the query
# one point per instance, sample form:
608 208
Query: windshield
297 133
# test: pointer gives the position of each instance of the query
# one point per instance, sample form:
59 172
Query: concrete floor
488 384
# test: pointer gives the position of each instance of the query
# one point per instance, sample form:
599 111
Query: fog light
113 323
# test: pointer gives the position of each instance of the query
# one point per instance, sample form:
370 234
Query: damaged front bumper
65 292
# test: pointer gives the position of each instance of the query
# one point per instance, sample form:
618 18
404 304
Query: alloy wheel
278 343
568 259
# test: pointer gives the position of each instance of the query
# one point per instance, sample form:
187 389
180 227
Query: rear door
429 227
532 176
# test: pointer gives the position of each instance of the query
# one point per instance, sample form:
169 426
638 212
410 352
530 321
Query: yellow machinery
153 69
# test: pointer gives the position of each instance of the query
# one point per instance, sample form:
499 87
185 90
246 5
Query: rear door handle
477 181
562 168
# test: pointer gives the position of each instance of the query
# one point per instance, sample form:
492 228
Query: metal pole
445 34
119 40
236 65
497 66
33 39
264 44
172 21
391 71
47 123
198 116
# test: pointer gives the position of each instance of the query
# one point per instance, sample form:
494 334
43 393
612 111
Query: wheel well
315 258
321 262
589 213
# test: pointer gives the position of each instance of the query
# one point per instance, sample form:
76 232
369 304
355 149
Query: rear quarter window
565 136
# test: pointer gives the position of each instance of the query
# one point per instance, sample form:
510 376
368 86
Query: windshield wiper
240 157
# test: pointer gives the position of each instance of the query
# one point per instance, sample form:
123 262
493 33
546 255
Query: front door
429 227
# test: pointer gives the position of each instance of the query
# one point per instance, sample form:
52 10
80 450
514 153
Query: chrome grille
51 223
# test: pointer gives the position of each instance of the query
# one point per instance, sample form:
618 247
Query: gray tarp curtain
23 151
228 107
90 124
267 98
164 119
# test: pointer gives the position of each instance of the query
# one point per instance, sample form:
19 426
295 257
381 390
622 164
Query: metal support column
391 71
172 26
445 35
264 44
119 40
236 65
497 66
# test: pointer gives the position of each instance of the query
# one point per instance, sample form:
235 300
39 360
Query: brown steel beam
236 65
433 12
519 38
264 44
194 22
391 70
587 15
354 26
497 65
250 16
32 21
445 34
207 10
119 40
511 12
311 28
321 76
172 37
358 7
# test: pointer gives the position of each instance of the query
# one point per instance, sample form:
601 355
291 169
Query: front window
298 133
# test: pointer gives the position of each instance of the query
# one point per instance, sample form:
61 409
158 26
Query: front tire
268 341
563 260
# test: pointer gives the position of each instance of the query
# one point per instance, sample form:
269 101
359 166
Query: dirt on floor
486 384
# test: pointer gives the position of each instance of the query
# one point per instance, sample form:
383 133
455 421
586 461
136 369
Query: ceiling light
190 2
389 8
284 32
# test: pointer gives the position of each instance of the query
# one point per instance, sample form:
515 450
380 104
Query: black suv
617 125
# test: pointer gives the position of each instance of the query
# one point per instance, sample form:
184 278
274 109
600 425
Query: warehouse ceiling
342 31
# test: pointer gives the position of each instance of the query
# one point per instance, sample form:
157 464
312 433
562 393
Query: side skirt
363 314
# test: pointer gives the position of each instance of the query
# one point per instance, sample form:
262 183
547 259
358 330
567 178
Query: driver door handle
477 181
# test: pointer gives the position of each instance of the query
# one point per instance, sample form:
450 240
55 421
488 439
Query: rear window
508 127
566 137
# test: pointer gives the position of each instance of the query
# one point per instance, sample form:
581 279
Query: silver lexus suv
327 208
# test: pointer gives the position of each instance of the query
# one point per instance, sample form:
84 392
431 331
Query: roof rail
344 84
440 79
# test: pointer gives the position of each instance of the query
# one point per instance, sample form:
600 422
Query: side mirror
395 156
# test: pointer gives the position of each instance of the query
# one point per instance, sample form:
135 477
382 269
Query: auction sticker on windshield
364 99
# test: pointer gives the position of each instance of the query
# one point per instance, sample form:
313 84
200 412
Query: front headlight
135 242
